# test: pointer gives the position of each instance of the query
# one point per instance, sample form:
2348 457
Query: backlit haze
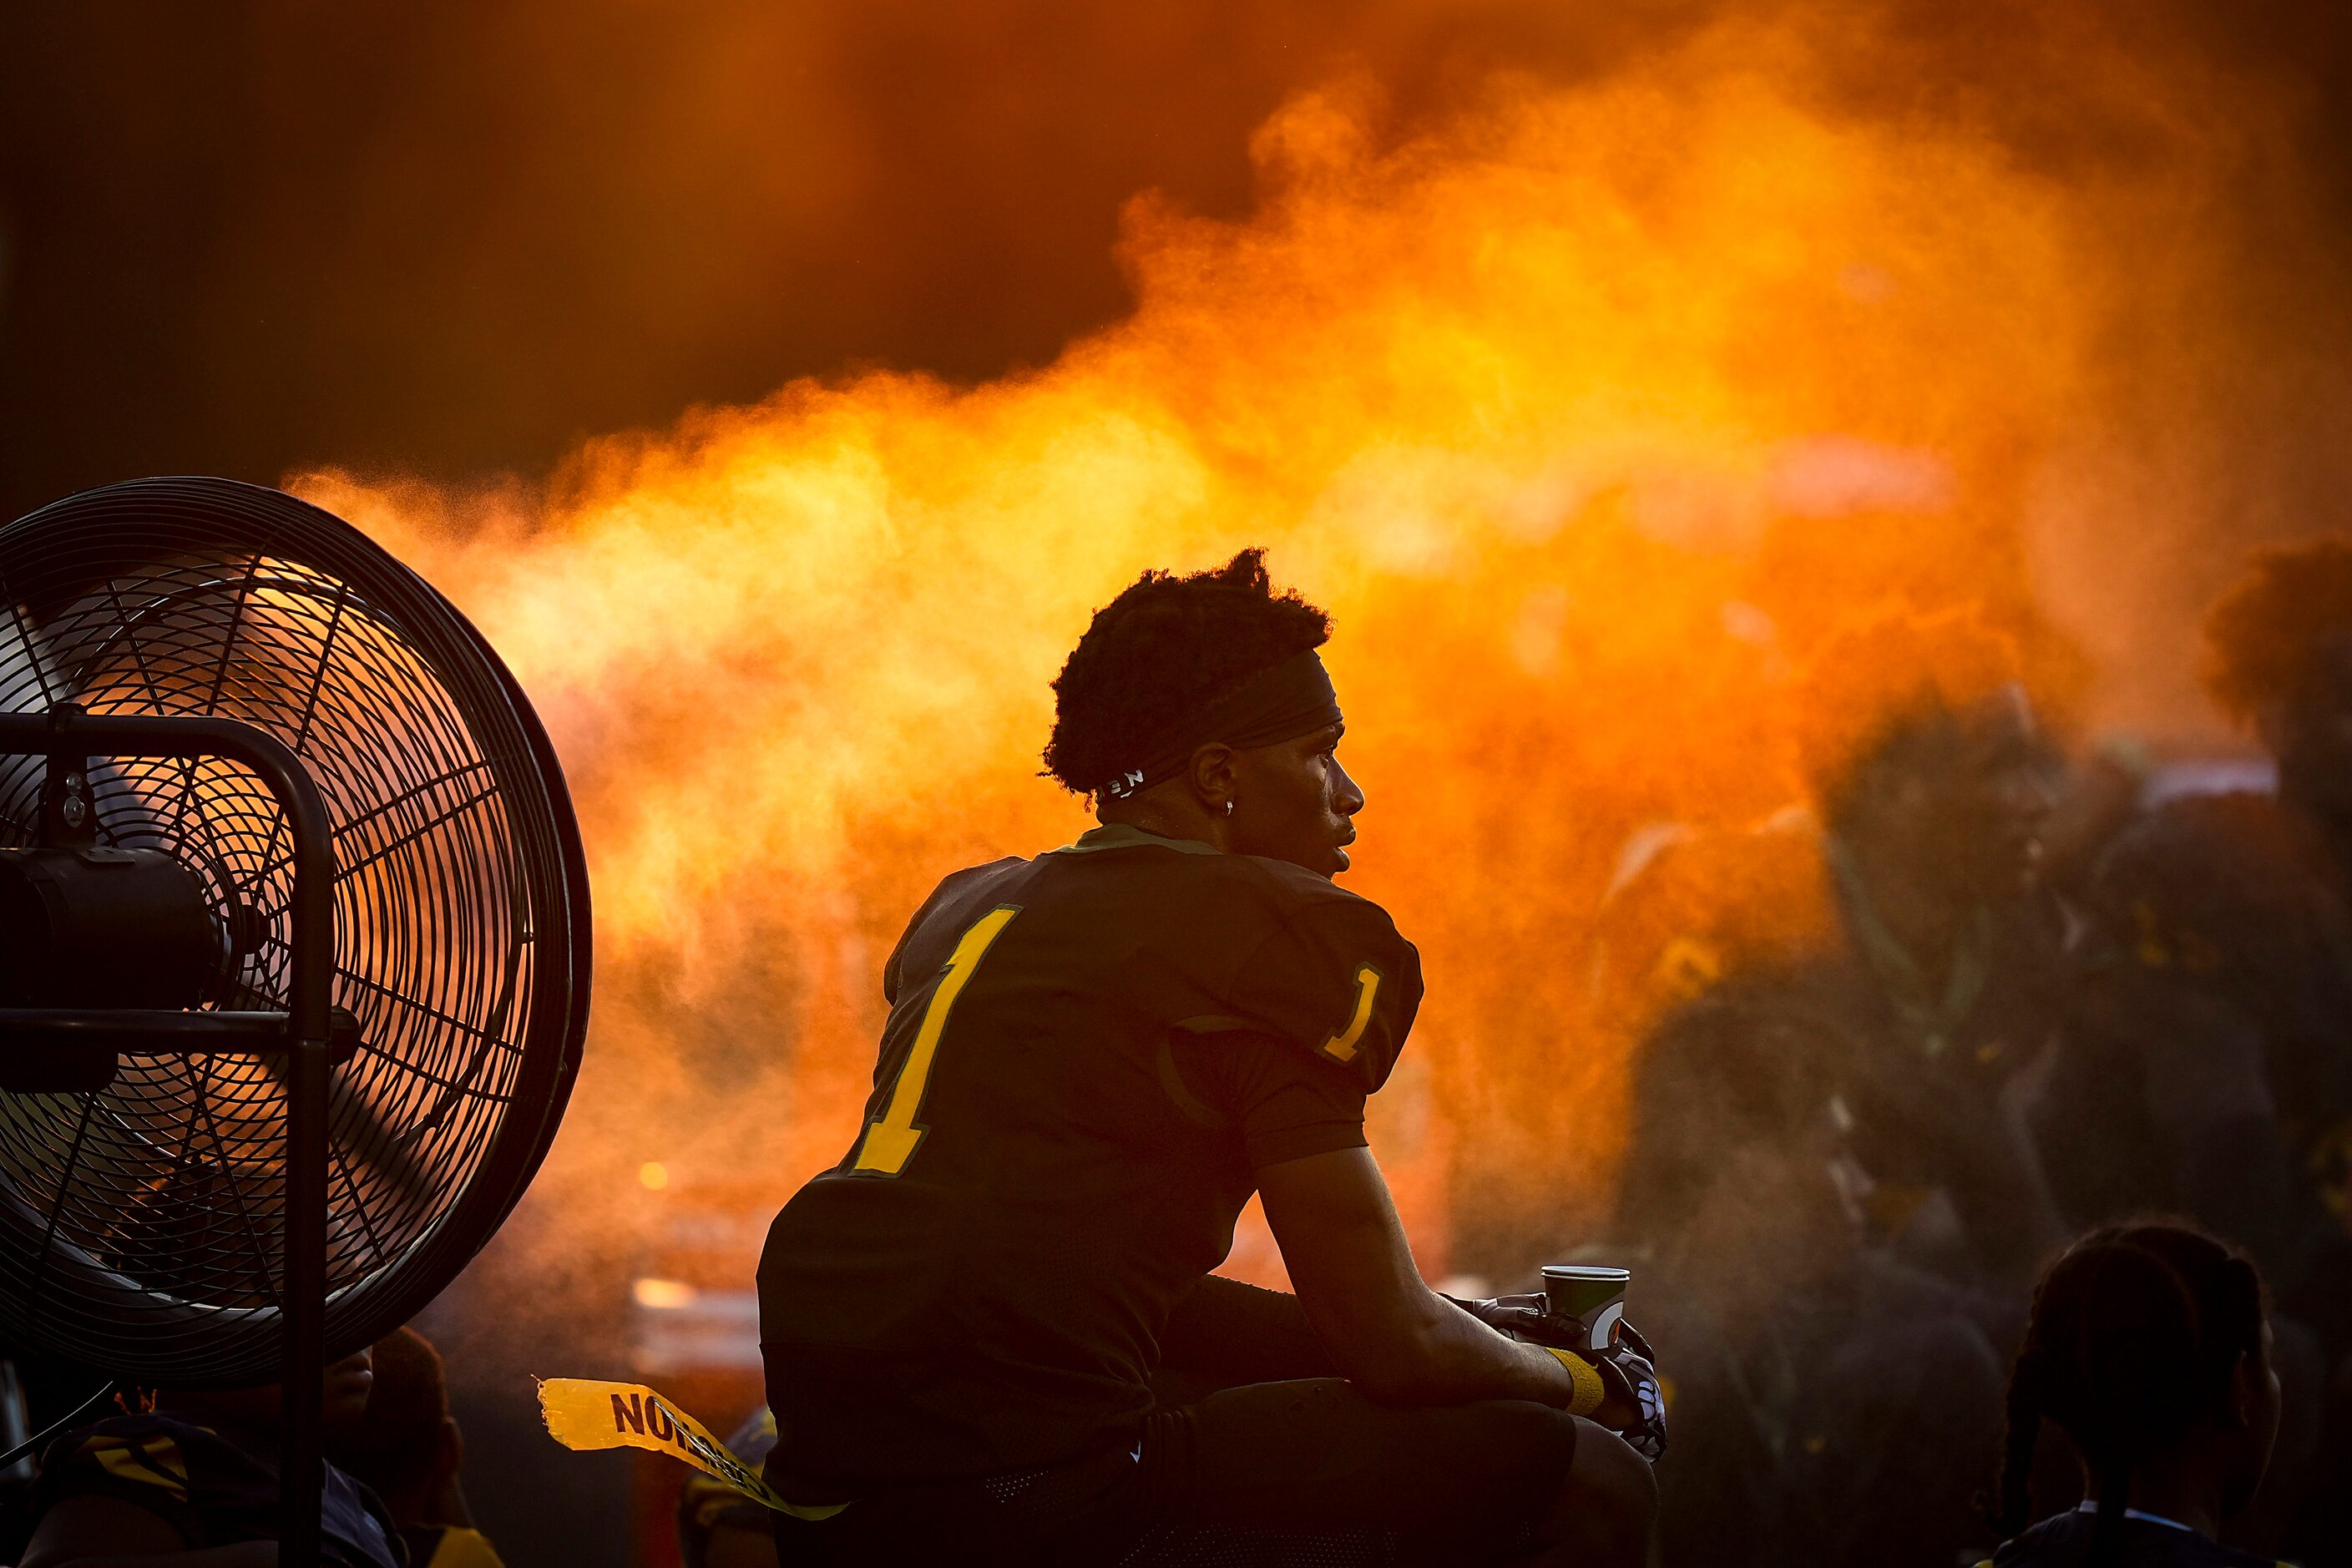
1588 408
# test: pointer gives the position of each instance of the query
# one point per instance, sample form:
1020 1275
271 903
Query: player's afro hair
2262 638
1161 650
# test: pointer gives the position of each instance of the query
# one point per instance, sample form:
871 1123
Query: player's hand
1633 1404
1632 1358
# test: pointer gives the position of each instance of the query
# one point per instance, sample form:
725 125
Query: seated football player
1093 1058
193 1483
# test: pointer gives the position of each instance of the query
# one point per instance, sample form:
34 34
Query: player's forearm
1445 1356
1388 1331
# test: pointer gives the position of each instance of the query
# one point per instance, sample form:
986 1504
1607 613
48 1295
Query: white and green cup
1592 1294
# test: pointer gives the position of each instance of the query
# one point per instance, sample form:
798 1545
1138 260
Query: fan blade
382 1152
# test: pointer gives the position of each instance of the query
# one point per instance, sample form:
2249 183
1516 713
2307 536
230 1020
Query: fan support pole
67 736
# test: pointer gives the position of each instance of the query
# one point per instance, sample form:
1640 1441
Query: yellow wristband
1590 1390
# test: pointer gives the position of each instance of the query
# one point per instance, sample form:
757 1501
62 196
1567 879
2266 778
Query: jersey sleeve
1286 1103
1335 980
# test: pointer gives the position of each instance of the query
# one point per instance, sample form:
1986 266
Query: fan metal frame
301 1034
66 736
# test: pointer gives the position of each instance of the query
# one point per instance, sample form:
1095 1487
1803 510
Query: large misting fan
294 942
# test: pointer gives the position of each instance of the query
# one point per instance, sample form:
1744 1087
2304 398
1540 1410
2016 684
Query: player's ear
1212 776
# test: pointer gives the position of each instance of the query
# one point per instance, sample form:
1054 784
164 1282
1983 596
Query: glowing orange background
1588 410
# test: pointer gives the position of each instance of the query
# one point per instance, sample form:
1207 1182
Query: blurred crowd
2045 994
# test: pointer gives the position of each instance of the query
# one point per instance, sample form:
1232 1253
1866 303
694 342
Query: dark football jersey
1087 1054
216 1488
2147 1542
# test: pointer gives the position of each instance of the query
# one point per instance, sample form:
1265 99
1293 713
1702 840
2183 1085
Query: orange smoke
1588 413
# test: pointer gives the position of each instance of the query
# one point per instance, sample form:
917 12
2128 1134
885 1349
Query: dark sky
252 236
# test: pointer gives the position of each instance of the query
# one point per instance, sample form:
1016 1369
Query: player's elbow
1392 1358
1394 1383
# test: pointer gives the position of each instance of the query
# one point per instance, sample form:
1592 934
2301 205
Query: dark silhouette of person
1828 1164
2210 1072
408 1448
2149 1347
1094 1056
192 1482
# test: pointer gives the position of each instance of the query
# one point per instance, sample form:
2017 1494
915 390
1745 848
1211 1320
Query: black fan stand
303 1033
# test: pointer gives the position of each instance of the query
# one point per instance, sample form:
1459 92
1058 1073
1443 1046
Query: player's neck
2182 1487
1177 818
1925 924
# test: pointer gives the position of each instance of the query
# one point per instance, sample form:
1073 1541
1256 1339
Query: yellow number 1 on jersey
1342 1046
891 1141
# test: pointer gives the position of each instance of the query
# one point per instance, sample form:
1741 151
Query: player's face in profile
1294 802
1963 803
343 1389
2001 798
347 1385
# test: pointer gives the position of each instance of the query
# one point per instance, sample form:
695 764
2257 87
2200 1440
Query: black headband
1280 702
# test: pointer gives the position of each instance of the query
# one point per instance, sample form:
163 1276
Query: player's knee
1607 1503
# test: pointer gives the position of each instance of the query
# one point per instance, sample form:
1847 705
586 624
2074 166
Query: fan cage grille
141 1226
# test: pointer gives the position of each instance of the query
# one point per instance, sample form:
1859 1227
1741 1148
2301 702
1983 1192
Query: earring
1229 808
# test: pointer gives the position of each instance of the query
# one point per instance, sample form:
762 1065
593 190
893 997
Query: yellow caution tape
582 1414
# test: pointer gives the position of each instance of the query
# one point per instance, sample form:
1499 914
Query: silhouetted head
2148 1343
343 1388
1196 706
1927 751
406 1446
2279 658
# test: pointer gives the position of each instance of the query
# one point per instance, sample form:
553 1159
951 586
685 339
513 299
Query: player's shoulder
1243 886
144 1446
1291 890
958 893
973 881
2227 870
175 1468
2207 840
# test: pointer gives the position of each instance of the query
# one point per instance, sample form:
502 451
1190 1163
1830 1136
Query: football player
1093 1058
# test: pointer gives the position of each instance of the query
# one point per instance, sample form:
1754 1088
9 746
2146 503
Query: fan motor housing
91 926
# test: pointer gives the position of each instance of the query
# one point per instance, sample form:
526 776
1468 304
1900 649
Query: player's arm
1391 1334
